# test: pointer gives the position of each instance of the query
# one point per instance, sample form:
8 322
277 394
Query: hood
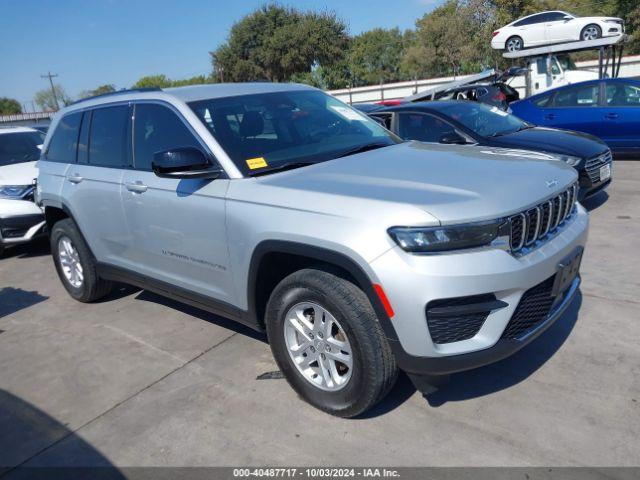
600 19
18 173
575 76
454 184
550 140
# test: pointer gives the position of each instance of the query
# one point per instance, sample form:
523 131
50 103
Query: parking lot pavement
140 380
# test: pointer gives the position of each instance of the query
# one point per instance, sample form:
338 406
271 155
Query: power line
51 76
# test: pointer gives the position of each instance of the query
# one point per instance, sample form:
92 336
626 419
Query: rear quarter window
64 142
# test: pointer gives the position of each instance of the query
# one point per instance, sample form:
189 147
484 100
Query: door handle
611 116
75 178
136 187
550 116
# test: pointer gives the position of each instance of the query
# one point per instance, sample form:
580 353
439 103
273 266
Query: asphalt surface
138 380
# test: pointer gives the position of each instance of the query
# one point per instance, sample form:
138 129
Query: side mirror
184 162
566 18
453 138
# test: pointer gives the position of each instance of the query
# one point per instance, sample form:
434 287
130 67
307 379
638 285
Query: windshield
484 120
19 147
268 130
566 63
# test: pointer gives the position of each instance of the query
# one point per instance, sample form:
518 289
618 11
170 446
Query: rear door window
108 140
64 142
623 95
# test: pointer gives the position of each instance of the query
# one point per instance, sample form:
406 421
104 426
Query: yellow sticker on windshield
258 162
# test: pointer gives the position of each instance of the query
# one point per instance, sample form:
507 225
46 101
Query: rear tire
75 263
514 44
1 250
339 321
591 32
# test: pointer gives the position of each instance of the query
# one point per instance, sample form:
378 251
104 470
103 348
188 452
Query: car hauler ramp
609 53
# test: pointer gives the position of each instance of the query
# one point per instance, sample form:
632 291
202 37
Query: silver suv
284 209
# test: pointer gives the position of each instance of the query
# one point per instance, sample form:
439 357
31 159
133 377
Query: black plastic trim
324 255
209 304
21 221
467 361
468 309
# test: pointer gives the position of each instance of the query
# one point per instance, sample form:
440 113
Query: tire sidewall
335 401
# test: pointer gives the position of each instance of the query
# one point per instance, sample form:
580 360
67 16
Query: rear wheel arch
273 260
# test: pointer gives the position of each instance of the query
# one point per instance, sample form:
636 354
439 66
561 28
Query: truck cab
552 71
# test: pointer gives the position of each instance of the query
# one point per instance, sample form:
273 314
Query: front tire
591 32
328 343
514 44
75 263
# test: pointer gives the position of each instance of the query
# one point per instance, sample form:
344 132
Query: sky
88 43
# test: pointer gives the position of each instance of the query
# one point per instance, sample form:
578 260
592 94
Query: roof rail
119 92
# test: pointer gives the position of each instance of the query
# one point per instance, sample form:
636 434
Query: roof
193 93
11 129
189 93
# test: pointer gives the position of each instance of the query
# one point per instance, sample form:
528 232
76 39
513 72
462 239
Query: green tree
101 90
46 101
376 55
157 81
9 106
277 43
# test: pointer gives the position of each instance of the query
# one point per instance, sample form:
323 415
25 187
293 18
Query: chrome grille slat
593 165
530 226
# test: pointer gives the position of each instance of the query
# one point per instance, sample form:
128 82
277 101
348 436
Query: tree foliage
162 81
276 43
101 90
9 106
47 102
376 56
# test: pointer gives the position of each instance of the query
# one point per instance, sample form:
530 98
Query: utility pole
53 90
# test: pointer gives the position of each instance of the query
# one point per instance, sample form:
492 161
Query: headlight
14 192
456 237
569 160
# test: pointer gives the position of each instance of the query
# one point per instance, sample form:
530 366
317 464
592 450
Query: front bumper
412 281
20 221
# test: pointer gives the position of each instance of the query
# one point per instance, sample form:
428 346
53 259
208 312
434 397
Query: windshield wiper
282 167
364 148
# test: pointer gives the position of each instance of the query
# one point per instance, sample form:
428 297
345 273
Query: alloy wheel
318 346
514 45
590 33
70 262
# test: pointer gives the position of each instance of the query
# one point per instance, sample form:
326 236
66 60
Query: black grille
530 226
517 231
533 219
533 309
455 328
593 165
545 210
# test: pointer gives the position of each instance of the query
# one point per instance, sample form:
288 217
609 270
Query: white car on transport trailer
546 28
20 218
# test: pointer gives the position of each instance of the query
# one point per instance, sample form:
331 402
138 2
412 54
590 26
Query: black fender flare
322 255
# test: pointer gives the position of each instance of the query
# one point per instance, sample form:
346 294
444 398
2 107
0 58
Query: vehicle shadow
512 370
596 201
15 299
491 378
148 296
36 248
28 431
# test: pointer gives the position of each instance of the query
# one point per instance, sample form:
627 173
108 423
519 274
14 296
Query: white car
546 28
20 218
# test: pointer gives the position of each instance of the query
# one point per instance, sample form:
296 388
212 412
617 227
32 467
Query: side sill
203 302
